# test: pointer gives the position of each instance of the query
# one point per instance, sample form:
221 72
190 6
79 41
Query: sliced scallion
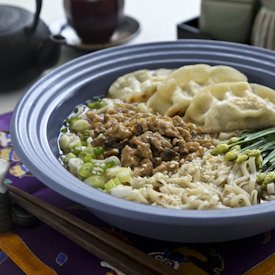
111 184
86 170
124 174
97 103
80 125
95 181
68 157
98 150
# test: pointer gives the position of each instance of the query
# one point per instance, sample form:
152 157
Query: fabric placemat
55 254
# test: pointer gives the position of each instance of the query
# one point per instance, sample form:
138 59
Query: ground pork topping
146 142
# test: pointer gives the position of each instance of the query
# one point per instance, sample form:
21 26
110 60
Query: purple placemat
65 257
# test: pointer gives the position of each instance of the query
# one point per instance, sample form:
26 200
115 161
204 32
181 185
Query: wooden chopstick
119 254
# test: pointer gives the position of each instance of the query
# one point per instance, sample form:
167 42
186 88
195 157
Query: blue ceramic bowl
40 113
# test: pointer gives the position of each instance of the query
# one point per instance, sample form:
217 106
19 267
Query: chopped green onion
98 172
89 150
86 157
80 125
76 150
71 120
124 174
95 181
101 165
121 191
68 141
111 184
68 157
64 130
74 164
110 164
84 138
98 150
97 103
86 132
82 154
86 170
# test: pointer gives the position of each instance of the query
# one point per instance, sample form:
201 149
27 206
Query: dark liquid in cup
94 20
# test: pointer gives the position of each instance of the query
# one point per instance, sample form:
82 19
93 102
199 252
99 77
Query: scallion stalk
95 181
112 183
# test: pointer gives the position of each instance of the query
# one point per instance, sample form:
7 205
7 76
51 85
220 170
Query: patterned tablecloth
41 250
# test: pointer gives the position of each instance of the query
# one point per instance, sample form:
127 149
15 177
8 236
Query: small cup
94 21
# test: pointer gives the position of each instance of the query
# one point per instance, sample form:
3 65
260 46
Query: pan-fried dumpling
137 86
175 93
232 106
264 92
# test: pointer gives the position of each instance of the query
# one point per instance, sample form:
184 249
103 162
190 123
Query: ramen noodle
176 138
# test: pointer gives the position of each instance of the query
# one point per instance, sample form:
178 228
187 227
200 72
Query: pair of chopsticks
119 254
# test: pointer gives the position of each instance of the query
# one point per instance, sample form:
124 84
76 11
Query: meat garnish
129 157
146 142
111 152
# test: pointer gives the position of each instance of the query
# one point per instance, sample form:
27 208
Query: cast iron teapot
27 47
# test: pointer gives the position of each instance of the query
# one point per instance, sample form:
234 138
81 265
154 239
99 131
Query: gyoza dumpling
137 86
175 93
264 92
232 106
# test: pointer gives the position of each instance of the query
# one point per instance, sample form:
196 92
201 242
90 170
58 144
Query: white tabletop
158 20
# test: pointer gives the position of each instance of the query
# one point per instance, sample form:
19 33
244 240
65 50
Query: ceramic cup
94 21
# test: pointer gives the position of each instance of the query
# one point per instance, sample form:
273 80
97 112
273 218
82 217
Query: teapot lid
13 18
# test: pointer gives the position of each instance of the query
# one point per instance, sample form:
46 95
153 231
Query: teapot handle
35 22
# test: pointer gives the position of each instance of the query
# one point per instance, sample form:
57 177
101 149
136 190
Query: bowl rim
26 113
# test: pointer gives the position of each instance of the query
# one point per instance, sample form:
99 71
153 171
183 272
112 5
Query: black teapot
27 47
